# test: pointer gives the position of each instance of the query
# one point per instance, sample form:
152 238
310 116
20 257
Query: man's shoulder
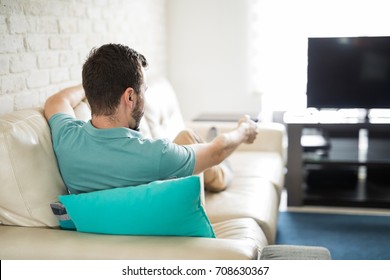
62 124
158 142
61 118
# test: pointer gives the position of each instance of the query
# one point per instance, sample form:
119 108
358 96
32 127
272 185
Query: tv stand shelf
350 167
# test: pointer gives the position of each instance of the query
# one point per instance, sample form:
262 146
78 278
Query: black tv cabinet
350 167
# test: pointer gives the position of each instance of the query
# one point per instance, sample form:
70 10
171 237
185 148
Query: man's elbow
47 108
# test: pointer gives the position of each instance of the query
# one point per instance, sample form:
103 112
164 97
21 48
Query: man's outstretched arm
213 153
64 101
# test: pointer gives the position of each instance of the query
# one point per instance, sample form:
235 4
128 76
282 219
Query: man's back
93 159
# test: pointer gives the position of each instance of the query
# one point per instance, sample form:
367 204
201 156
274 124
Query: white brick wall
43 43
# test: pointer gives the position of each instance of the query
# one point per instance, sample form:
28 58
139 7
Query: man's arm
213 153
64 101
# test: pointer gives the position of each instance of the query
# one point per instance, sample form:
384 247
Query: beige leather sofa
244 216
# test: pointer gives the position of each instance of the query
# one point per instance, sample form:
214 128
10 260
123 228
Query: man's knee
187 137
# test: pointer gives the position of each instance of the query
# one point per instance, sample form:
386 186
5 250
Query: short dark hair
106 74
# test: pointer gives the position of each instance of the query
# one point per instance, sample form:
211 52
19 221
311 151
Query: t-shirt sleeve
60 123
176 160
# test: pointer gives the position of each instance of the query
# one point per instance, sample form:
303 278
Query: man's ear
128 95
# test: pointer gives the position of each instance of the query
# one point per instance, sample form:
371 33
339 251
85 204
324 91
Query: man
108 151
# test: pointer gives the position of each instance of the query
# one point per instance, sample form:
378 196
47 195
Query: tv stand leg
294 166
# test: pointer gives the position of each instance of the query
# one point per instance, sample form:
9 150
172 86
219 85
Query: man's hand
64 101
213 153
250 129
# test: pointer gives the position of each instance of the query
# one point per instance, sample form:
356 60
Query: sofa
244 216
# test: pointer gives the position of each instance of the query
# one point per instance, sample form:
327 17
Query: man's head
108 73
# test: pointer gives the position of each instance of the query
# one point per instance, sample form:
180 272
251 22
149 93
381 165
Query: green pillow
171 207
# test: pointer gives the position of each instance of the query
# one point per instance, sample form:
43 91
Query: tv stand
348 167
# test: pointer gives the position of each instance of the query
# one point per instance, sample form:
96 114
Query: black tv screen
348 72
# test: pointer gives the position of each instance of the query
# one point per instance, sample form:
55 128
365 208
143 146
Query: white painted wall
208 56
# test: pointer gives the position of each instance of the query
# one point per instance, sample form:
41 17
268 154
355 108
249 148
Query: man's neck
103 122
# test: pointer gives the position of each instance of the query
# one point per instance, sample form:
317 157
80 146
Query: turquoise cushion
171 207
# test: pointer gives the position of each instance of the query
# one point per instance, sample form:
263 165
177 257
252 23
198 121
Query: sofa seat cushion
28 170
246 197
267 165
239 239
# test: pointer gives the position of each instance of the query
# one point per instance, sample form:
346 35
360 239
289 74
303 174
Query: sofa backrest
30 179
162 111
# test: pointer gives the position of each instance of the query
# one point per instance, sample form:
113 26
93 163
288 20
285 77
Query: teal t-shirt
93 159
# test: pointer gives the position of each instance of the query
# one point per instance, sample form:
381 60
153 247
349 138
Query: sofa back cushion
30 179
162 111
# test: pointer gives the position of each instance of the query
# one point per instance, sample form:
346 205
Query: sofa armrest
272 137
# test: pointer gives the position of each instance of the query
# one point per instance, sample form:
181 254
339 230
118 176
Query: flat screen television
348 72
